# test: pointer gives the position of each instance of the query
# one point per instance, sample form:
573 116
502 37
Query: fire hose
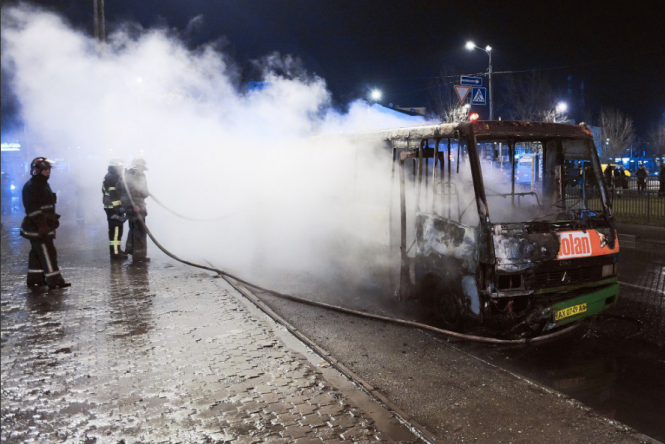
389 319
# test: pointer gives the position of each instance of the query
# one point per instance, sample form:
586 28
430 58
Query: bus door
438 212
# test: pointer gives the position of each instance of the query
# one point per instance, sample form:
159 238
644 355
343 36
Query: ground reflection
130 302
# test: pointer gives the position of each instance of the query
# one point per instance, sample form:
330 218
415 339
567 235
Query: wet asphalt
612 365
616 363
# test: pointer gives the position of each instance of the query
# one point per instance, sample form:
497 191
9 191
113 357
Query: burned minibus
502 225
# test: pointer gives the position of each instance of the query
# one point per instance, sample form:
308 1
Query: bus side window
462 187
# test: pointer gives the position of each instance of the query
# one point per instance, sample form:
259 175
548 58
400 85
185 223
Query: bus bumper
580 307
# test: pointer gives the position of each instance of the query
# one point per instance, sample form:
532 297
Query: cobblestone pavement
155 353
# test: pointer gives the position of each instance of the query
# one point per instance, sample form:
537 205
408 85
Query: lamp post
488 49
100 21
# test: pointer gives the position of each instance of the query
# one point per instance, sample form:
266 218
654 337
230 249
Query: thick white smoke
212 148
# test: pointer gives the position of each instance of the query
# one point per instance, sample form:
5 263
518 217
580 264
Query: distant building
404 115
411 110
257 86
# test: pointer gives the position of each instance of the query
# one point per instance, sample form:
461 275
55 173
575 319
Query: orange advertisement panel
575 244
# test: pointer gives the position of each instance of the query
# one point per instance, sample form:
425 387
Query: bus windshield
541 180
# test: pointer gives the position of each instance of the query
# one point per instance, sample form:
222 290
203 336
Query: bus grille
566 277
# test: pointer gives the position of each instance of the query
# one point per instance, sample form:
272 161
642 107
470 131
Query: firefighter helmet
116 163
40 164
139 162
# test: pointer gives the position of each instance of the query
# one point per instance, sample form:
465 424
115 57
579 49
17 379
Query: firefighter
137 185
39 227
115 212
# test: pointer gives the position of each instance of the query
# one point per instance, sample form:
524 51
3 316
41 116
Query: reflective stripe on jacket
110 192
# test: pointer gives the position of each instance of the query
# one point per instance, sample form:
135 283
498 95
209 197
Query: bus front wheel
445 304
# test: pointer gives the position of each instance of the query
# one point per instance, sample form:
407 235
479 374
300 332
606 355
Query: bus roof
483 130
528 130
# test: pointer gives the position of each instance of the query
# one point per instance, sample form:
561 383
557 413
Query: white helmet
139 162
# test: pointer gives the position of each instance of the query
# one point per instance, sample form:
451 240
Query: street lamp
488 49
376 95
561 107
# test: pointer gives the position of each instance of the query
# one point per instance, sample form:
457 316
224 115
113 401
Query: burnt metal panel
525 248
444 237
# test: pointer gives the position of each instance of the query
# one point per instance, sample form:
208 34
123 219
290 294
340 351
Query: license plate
570 311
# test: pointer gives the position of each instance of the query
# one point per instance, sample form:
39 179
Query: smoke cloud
298 208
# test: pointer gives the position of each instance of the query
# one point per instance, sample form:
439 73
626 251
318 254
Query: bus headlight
609 269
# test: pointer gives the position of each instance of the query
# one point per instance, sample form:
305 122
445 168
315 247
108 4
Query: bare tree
617 130
531 97
443 102
656 138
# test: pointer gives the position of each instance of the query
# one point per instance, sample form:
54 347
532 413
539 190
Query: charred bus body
520 248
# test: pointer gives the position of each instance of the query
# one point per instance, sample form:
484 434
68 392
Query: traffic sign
470 80
479 96
462 91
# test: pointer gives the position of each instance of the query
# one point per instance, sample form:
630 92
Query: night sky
402 46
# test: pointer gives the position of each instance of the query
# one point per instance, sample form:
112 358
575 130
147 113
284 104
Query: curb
418 430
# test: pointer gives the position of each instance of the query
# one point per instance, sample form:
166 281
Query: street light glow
561 107
376 94
488 50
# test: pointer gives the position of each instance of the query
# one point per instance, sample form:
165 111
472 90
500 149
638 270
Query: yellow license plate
570 311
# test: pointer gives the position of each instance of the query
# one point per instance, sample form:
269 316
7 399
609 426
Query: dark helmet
40 164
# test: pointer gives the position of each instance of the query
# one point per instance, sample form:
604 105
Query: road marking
642 288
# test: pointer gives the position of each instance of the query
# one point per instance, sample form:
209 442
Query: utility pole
489 53
100 22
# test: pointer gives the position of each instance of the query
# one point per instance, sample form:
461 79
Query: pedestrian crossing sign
479 95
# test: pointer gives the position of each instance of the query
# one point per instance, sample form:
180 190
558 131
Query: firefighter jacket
138 187
111 190
41 220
